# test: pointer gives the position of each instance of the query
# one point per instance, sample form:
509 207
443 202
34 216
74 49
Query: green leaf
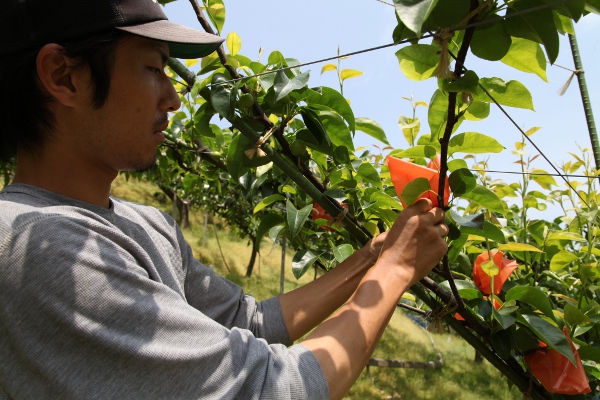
532 296
485 198
302 261
324 146
506 318
490 268
535 25
328 97
527 56
316 137
574 316
349 73
341 155
563 24
561 260
563 235
477 111
221 96
410 128
235 159
413 13
511 93
549 333
284 85
454 165
471 221
418 151
370 174
462 181
234 43
296 218
573 9
419 61
336 129
437 113
216 13
468 83
267 201
372 129
328 67
490 231
512 246
491 43
587 352
466 289
384 201
276 58
593 6
266 223
342 252
275 231
542 178
414 189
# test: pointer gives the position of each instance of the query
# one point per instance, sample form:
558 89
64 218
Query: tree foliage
255 143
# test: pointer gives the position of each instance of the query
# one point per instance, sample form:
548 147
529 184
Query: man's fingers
423 205
443 230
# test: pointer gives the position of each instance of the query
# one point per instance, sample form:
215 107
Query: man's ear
56 74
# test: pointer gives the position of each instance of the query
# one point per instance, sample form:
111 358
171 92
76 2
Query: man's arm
309 305
346 340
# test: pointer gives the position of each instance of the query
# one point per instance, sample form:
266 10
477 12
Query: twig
413 309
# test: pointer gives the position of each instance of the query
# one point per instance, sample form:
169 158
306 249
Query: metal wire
425 36
533 173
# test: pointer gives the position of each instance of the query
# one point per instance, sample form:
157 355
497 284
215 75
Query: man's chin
146 168
142 166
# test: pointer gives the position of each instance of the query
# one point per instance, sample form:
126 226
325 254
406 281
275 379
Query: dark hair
26 118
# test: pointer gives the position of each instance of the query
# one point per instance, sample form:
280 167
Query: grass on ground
459 379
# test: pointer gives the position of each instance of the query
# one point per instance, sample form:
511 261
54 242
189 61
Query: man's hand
415 243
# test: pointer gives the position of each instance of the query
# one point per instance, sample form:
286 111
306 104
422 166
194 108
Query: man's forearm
344 343
309 305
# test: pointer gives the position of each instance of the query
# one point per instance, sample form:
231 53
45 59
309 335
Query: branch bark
452 119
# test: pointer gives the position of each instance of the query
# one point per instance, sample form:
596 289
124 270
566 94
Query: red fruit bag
319 213
403 172
556 373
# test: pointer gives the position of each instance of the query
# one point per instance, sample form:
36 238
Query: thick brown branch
450 302
206 154
445 140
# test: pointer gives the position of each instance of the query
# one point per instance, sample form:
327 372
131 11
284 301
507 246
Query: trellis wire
533 173
425 36
428 35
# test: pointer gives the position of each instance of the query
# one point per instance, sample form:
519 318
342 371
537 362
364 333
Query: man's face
123 135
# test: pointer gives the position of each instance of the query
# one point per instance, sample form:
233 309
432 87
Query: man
102 298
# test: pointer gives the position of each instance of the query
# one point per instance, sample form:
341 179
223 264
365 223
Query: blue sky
312 30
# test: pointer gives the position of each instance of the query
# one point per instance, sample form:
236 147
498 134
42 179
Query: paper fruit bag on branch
403 172
556 373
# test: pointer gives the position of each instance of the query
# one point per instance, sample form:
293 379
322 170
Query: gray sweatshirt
100 303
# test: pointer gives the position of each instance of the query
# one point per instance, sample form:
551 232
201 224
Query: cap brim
184 42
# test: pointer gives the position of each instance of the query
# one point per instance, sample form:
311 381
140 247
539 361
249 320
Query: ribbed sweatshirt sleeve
85 315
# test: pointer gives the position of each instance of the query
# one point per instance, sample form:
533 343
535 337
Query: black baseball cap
27 24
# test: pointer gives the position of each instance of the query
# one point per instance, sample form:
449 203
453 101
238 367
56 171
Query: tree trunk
184 213
252 257
282 279
205 225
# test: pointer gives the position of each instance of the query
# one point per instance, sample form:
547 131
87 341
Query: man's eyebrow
161 52
163 55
